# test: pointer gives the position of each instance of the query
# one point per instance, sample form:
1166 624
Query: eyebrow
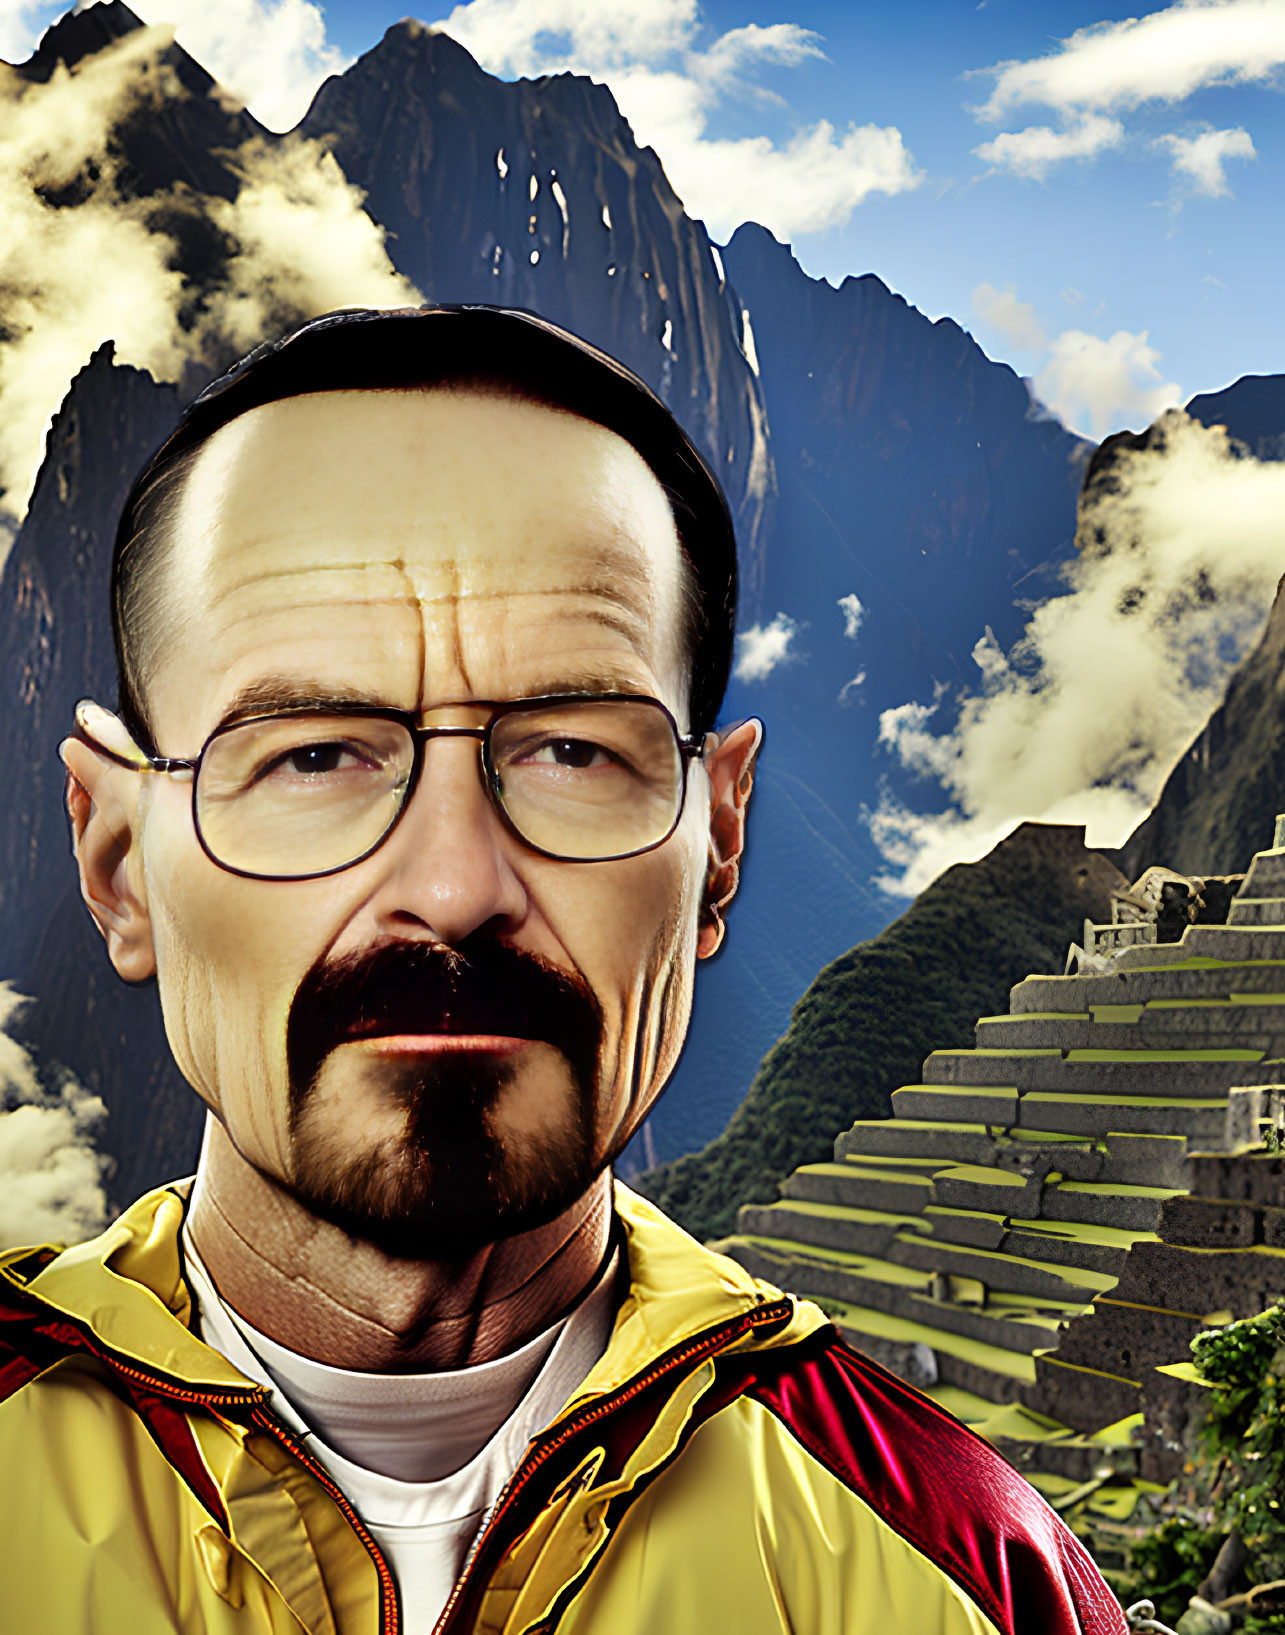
275 695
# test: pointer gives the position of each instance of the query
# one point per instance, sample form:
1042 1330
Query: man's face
419 550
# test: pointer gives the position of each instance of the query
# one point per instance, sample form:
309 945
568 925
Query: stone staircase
956 1240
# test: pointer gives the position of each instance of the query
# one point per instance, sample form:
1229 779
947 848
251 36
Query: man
413 808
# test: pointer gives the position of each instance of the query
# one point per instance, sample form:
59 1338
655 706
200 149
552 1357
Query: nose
449 867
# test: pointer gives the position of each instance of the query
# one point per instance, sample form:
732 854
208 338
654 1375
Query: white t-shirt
420 1457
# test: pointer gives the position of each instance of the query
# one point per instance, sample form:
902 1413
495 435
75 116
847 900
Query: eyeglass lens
301 794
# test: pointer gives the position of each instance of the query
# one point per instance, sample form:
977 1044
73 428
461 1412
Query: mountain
1219 803
912 475
55 648
912 469
870 1018
1253 411
866 451
534 194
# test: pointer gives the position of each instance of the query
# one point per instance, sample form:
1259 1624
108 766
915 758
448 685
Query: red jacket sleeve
943 1489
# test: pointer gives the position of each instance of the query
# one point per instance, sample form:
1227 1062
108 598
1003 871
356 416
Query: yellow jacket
727 1466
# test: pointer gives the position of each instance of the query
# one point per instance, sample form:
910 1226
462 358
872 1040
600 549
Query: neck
311 1287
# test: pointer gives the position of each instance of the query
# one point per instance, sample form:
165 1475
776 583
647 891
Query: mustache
479 986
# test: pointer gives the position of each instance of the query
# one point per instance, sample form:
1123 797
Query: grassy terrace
968 1257
879 1271
987 1275
1113 1237
865 1320
846 1212
1116 1189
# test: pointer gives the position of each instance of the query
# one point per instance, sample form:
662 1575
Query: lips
444 1044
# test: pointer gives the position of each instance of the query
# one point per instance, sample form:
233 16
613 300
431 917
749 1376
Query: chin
461 1170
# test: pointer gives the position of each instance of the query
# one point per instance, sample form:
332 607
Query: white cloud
1164 56
20 22
811 182
740 50
669 89
51 1175
761 648
1093 384
73 277
1014 320
519 36
272 54
1083 719
79 275
1199 159
1030 152
853 613
306 245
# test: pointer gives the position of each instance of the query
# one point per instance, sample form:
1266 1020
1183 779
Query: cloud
76 275
670 90
306 246
18 28
1093 384
761 648
51 1174
271 54
1199 159
1032 151
519 36
1082 720
853 613
1013 319
1162 57
813 181
97 268
740 50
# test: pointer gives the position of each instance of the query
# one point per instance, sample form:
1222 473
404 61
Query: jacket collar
126 1288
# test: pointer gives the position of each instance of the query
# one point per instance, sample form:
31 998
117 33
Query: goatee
462 1171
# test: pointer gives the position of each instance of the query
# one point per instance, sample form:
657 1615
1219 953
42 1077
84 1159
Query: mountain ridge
923 458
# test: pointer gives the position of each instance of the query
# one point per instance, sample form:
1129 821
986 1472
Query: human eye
322 758
574 754
310 756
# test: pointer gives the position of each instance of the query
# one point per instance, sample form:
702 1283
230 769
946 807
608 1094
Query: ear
102 802
731 776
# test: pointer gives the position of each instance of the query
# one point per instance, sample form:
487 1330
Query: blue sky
1117 238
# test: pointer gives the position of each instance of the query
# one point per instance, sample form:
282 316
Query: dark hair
506 349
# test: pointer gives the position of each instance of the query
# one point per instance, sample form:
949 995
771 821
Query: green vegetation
1236 1489
1171 1561
869 1019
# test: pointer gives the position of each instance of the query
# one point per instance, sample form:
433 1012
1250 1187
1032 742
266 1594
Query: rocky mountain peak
1253 411
79 34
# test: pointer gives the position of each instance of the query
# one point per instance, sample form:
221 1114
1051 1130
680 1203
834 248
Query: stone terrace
956 1240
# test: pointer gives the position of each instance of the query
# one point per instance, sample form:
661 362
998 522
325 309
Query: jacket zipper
388 1620
713 1340
263 1417
704 1345
208 1398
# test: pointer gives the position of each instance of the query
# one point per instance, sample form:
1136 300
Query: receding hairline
145 593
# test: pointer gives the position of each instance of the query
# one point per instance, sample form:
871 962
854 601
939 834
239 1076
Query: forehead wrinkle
261 576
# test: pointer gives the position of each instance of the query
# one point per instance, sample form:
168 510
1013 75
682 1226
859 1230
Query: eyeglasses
584 778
